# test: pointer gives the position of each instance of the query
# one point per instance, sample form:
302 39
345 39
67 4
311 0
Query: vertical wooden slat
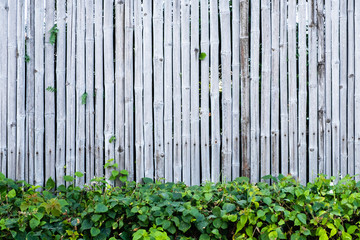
254 92
313 95
20 92
60 92
204 111
50 152
321 85
357 89
328 22
226 88
177 91
89 72
265 88
30 93
194 58
109 84
185 76
214 92
129 127
351 77
99 90
335 74
302 92
148 121
39 93
292 89
158 60
119 84
284 121
168 85
11 93
275 144
3 89
81 95
343 88
70 88
138 87
235 112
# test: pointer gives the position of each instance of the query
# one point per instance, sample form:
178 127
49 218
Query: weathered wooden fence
186 90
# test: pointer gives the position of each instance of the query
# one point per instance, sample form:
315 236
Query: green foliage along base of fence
232 210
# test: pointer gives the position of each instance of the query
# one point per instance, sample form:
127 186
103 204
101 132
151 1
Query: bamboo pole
70 88
168 85
50 151
214 92
11 94
226 88
293 158
351 85
109 84
254 92
328 22
138 87
129 127
284 114
204 111
89 73
343 88
119 84
148 121
303 91
235 70
321 85
313 94
194 58
99 90
177 91
275 73
20 93
265 89
158 61
335 75
60 92
357 89
30 93
185 75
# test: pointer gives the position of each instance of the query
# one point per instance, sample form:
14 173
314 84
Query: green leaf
51 89
34 223
267 200
94 231
112 139
53 32
68 178
12 193
114 173
83 98
101 208
50 184
124 172
302 217
352 229
184 226
229 207
204 237
217 223
79 174
202 56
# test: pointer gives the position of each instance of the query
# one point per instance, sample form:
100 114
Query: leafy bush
233 210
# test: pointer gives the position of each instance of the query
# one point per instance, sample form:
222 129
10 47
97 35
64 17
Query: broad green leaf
50 184
34 223
302 217
204 237
101 208
202 56
79 174
94 231
12 193
68 178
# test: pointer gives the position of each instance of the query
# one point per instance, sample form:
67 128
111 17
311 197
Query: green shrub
233 210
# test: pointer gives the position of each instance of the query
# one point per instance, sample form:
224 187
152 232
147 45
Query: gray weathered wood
357 90
204 75
302 92
60 92
194 58
20 92
177 90
158 61
99 90
226 89
148 112
168 85
50 151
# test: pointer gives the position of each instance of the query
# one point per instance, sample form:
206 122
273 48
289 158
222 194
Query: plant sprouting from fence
53 33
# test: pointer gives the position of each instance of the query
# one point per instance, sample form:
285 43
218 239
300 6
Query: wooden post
357 89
